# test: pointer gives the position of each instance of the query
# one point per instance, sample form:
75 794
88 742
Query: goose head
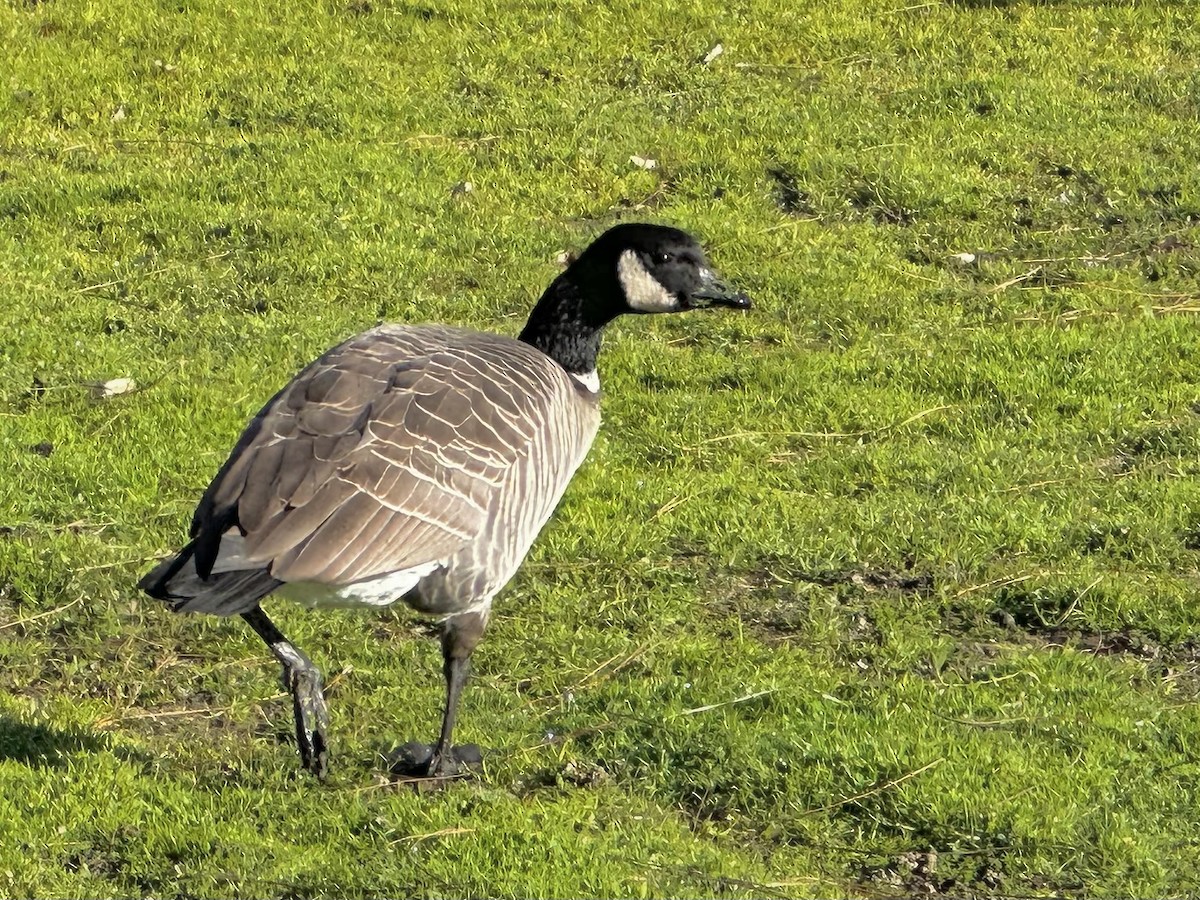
642 268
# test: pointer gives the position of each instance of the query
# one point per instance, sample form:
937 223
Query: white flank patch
643 291
590 381
231 553
379 591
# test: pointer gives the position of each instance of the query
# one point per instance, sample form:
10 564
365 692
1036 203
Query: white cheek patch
643 291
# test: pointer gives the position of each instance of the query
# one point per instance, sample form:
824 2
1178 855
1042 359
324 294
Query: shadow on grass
42 745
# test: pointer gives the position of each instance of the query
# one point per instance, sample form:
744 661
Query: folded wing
385 454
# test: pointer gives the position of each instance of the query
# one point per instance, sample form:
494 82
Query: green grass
902 564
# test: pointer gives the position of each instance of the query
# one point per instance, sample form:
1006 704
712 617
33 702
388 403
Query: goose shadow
46 746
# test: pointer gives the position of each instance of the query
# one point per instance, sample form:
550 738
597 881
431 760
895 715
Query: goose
419 463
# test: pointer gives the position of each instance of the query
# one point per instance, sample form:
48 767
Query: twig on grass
909 274
337 679
561 740
1069 316
1082 259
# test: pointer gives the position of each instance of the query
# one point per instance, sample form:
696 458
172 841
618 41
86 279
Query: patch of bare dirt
1040 623
914 873
773 599
873 579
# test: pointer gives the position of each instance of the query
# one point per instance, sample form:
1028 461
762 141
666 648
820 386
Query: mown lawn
886 588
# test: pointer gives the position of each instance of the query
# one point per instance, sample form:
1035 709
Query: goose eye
661 259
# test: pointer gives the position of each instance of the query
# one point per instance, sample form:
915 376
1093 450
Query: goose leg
302 680
460 635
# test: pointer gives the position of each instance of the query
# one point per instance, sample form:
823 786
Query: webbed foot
417 761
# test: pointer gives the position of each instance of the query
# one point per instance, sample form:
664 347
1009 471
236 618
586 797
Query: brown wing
382 455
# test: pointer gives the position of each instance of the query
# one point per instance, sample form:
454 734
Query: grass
887 588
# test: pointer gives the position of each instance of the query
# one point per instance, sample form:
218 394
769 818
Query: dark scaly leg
460 635
303 681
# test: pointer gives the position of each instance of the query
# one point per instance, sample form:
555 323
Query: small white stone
643 162
712 54
102 390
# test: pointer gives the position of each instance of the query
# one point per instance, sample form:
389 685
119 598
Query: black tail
175 582
157 581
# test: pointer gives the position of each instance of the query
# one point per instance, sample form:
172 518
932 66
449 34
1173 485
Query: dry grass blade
1005 582
875 790
915 417
1186 306
208 712
440 833
673 503
43 615
1033 485
712 706
601 672
1020 279
1075 603
595 674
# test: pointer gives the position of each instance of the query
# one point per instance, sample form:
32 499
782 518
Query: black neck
566 325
